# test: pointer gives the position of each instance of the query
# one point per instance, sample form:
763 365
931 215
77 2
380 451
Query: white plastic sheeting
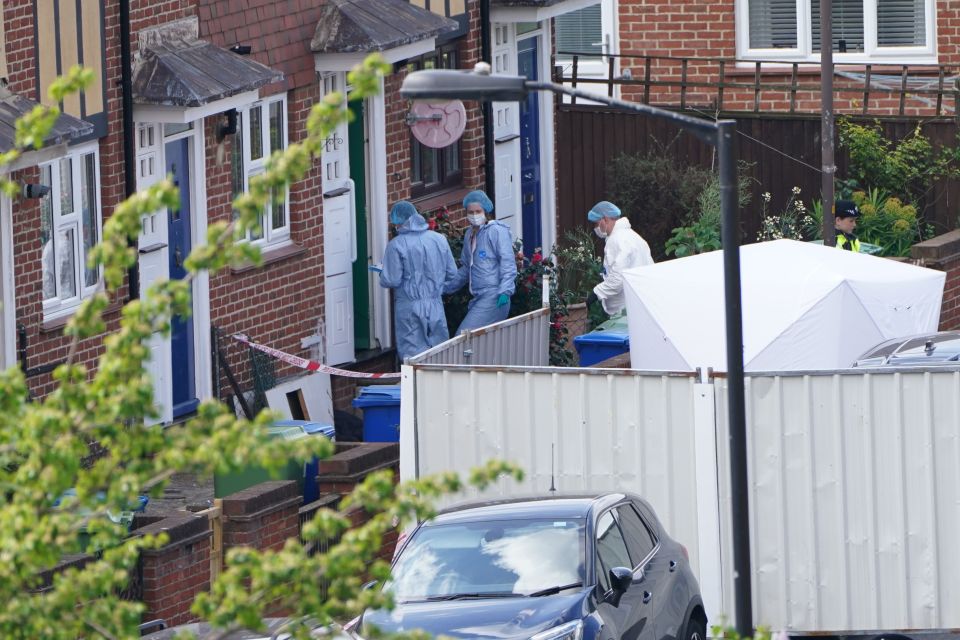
855 500
805 306
855 478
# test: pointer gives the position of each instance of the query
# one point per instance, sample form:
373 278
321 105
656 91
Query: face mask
600 232
476 219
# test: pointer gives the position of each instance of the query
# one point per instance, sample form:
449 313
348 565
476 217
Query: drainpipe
129 152
487 56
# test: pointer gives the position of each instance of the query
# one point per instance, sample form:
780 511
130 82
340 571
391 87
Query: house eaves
13 106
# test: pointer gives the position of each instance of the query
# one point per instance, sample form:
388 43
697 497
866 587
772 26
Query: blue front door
527 62
181 338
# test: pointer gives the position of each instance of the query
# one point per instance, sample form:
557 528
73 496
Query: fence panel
520 341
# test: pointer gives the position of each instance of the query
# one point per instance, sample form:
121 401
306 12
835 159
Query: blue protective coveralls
490 269
417 264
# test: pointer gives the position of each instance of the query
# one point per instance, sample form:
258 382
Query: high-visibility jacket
848 242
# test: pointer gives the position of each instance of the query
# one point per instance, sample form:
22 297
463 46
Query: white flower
766 196
796 191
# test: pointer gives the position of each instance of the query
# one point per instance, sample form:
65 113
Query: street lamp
449 84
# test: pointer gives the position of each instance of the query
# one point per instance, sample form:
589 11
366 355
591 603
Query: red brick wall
174 574
262 517
950 311
943 253
47 344
698 28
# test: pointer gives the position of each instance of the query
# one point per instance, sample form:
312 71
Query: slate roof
13 105
192 73
364 26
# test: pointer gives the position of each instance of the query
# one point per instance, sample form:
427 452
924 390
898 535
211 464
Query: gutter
488 152
129 151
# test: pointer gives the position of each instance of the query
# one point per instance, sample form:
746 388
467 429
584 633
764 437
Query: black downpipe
487 56
129 135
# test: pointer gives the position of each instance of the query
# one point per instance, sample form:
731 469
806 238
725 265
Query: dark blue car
558 568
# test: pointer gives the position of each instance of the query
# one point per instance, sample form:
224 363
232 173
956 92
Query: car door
659 571
629 620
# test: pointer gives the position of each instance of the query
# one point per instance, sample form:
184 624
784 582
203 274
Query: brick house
206 91
884 35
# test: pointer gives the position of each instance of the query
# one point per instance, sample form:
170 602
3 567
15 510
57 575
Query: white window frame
59 306
271 236
873 53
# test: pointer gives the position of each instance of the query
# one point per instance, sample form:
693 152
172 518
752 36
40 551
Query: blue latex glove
375 268
503 299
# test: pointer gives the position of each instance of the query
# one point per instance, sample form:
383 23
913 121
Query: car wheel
696 630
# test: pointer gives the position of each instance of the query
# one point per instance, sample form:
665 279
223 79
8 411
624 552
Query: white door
339 237
8 315
506 134
153 257
592 29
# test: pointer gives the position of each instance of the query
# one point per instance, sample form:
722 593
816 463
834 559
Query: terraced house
204 91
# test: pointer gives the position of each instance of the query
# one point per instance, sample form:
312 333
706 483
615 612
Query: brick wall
698 28
174 574
262 517
943 253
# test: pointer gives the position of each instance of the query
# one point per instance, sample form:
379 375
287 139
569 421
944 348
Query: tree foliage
43 443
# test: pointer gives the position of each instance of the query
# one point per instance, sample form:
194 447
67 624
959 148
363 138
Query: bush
701 232
888 222
656 193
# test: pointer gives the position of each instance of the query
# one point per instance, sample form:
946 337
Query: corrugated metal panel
855 500
578 429
520 341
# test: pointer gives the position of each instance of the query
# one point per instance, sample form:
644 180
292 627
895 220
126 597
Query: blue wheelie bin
381 413
612 338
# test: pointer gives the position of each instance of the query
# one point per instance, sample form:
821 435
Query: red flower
554 325
432 224
532 278
536 258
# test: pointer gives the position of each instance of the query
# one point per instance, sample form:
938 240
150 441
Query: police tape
310 365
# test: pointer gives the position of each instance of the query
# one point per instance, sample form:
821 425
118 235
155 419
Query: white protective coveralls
624 249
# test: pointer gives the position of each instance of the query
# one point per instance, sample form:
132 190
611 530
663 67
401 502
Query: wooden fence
781 151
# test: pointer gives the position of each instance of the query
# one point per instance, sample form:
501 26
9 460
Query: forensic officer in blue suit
416 264
488 265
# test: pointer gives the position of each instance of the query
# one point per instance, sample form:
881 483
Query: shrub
701 232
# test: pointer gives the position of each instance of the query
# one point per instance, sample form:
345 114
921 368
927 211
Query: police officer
845 221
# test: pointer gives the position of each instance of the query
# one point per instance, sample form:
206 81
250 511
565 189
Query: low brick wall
943 253
174 574
263 516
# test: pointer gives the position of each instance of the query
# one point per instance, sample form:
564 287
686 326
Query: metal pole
730 231
826 125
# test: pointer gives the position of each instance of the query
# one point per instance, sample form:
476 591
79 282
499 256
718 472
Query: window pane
901 23
847 25
417 170
773 24
611 549
256 134
66 186
451 156
236 162
429 164
279 217
67 263
580 31
276 126
46 236
639 541
88 186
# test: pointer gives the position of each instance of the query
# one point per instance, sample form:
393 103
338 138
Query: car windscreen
500 557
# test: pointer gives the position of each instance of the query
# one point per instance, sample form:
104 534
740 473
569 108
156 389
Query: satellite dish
437 124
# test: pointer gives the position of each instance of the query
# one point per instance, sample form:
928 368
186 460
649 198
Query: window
580 31
261 130
639 541
863 30
611 549
70 221
434 169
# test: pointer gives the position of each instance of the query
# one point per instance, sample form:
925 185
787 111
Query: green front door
361 277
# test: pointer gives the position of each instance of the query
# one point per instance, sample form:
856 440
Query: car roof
930 348
553 506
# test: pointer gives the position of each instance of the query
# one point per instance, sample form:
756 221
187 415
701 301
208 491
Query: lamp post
449 84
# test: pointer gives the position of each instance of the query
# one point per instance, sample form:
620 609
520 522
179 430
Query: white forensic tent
805 306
